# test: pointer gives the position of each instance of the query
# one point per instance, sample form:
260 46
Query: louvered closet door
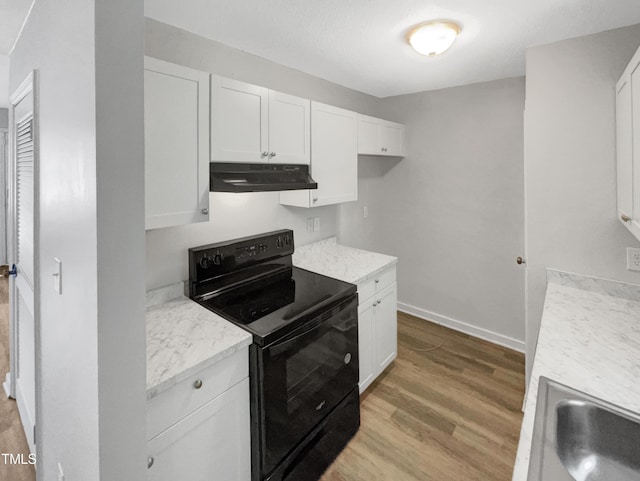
22 255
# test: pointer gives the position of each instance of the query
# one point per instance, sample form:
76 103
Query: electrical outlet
310 224
633 259
60 473
316 224
365 212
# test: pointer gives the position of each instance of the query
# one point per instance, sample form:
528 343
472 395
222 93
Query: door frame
29 85
4 151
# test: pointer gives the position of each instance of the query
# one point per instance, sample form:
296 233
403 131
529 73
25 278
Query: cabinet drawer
377 283
175 403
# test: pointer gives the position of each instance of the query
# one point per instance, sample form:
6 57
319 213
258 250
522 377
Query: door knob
520 260
13 272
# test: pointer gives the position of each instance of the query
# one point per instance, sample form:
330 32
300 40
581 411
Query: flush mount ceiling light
433 38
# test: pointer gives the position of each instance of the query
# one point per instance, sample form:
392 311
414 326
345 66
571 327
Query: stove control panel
209 261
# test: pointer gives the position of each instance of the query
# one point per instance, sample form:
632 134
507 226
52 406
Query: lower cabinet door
366 345
386 327
210 444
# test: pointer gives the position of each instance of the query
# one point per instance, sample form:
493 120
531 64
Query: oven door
305 375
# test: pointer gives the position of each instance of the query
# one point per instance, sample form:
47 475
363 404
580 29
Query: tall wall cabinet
628 145
176 138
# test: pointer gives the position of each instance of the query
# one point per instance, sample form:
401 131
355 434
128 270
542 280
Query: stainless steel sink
577 437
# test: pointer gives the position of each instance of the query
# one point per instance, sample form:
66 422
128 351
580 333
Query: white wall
91 414
570 170
452 209
234 215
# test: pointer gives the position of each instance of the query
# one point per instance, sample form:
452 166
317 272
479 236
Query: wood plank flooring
12 439
448 414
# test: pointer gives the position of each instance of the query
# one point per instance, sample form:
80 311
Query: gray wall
452 210
570 169
91 349
4 118
234 215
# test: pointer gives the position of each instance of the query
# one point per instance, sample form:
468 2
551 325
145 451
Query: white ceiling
361 43
12 15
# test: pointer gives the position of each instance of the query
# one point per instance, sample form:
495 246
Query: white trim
460 326
6 385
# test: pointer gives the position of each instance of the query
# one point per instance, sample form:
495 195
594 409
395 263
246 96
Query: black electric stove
304 359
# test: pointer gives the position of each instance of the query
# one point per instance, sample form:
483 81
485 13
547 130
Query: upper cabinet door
392 135
334 154
380 137
176 113
239 121
289 129
369 135
628 145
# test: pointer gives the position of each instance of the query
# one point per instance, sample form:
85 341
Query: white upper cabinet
380 137
239 121
256 125
628 145
334 159
176 113
289 129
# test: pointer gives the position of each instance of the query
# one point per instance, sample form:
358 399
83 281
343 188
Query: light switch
57 275
316 224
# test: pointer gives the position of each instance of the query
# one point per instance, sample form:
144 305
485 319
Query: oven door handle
281 345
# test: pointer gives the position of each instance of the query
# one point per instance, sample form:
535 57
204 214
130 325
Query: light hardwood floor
12 439
450 414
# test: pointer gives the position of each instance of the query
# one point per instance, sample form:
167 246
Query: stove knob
217 258
287 241
279 242
205 262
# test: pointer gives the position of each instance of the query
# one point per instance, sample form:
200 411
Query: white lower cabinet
199 429
213 443
377 325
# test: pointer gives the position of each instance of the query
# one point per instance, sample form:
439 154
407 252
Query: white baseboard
7 385
460 326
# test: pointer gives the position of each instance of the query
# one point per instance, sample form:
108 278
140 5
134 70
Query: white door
369 135
22 247
624 132
176 139
289 129
335 154
392 138
386 327
366 346
4 138
239 121
635 168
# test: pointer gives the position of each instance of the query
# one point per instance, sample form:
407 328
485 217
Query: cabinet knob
149 462
377 281
272 154
520 260
625 218
198 384
378 302
264 154
382 149
315 199
204 211
374 304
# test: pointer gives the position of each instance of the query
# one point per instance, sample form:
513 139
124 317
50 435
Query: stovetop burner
252 283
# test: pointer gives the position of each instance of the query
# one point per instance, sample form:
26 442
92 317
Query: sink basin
577 437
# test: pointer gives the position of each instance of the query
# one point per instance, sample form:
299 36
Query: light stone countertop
589 340
184 338
347 264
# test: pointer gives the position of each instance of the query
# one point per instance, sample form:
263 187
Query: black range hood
236 177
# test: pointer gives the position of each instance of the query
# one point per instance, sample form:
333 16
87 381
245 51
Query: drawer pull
149 462
377 281
198 384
